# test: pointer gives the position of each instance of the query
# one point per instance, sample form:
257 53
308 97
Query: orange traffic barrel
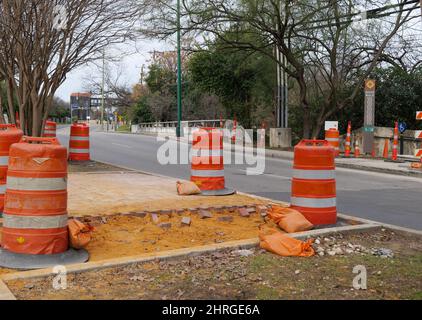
314 184
35 222
333 138
50 130
79 142
9 135
208 162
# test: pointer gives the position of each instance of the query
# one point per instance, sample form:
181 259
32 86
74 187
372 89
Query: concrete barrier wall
382 134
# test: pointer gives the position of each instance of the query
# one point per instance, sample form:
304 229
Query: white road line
121 145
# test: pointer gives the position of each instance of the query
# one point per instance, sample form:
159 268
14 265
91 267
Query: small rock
297 272
321 253
29 286
226 219
243 253
165 226
211 289
331 253
186 221
317 241
205 214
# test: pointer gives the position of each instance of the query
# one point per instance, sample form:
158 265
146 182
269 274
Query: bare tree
327 57
43 40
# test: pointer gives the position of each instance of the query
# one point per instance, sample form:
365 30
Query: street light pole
102 90
179 75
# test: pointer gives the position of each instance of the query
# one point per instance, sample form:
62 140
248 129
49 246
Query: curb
5 293
177 254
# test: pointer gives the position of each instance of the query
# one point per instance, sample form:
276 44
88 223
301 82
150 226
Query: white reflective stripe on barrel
332 139
4 161
208 173
207 153
34 222
79 138
79 150
418 134
314 174
50 131
36 184
314 202
2 189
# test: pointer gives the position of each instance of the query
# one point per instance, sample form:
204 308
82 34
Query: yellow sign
370 85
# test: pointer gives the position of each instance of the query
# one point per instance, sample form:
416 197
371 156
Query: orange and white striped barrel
50 130
208 162
314 184
35 215
348 145
9 135
333 138
79 145
396 142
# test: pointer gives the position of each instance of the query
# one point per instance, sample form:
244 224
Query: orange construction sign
418 115
370 85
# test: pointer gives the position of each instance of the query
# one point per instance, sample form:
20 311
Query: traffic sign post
369 121
402 130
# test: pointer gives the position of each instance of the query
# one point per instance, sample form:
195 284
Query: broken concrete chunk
154 218
226 219
251 210
139 214
205 214
244 213
166 212
165 226
186 222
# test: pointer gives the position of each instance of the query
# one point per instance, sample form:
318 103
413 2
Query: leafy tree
142 112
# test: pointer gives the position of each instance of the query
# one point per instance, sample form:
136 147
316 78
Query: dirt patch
259 275
129 236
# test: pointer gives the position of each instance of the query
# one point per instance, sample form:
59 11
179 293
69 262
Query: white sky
134 56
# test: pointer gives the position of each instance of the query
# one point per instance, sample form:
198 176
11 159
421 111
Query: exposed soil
227 275
129 236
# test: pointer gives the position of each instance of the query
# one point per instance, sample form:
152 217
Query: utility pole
102 90
282 113
179 75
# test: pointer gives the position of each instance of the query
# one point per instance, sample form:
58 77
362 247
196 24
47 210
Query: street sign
369 129
369 118
75 106
331 125
402 127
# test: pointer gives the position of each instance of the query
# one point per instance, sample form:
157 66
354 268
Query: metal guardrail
185 124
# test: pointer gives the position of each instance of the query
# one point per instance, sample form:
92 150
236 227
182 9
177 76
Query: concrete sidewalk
366 164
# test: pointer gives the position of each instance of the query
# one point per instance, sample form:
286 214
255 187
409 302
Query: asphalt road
382 197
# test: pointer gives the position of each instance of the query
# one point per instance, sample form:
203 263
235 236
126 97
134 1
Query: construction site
210 158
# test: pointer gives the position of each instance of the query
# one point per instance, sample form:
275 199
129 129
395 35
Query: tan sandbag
285 246
289 220
80 234
187 188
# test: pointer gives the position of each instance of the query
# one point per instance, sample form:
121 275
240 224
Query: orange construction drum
333 138
50 130
314 184
79 142
9 135
35 214
208 162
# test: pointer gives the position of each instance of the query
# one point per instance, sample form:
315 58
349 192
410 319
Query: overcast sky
134 56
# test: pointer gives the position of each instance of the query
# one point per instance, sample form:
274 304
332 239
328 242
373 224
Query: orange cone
348 140
396 142
386 149
357 149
